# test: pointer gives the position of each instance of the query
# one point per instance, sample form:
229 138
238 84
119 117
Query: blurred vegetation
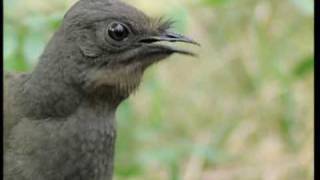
243 110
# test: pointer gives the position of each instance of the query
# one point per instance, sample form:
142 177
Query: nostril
171 36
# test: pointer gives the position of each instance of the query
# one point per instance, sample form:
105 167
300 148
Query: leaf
16 64
304 67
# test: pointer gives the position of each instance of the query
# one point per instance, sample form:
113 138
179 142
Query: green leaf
304 67
16 64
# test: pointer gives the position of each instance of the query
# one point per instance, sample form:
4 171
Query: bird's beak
171 37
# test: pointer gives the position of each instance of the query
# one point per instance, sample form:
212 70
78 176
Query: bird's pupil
118 31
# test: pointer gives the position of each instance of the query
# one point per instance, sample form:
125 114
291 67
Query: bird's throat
117 82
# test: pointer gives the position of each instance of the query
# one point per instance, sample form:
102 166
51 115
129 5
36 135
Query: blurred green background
242 110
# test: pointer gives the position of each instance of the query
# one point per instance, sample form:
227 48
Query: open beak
171 37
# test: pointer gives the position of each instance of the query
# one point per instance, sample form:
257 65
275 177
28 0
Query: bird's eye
118 31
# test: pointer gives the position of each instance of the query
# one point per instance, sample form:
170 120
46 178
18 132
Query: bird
59 119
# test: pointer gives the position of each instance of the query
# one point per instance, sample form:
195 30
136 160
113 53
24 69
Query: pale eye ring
118 31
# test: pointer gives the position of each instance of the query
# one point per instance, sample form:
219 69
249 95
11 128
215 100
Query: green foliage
305 67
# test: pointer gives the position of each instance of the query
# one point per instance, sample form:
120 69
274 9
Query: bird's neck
53 89
42 96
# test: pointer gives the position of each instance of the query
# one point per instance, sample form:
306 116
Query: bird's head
116 43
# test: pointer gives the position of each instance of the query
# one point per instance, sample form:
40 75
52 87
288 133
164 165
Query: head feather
164 24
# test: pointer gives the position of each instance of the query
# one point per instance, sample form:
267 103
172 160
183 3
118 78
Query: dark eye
118 31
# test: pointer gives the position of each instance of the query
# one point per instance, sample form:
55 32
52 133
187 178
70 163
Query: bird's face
118 42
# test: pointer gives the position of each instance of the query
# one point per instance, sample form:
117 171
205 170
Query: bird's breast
93 138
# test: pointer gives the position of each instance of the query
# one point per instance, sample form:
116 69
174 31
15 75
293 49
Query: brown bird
60 118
